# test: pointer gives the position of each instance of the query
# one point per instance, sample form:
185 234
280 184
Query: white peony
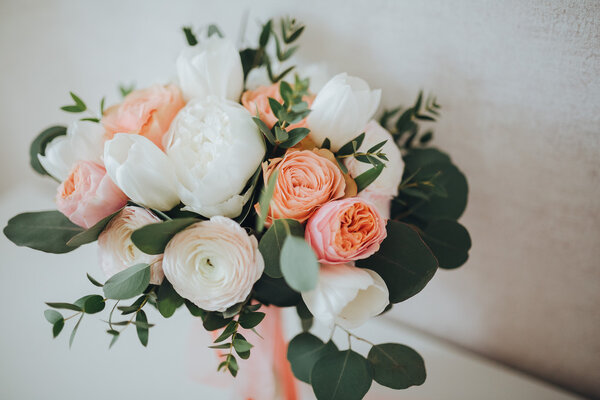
141 170
83 142
213 67
215 148
117 251
346 295
341 110
213 263
383 189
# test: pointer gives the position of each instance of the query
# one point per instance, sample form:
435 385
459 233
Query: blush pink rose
88 195
147 112
307 180
345 230
257 100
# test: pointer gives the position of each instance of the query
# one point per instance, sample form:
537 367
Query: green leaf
377 147
345 375
250 320
153 238
272 241
194 309
264 129
265 34
229 330
403 261
232 365
241 345
275 291
326 144
189 36
367 177
38 146
91 235
125 90
233 310
213 321
264 200
93 281
304 351
220 346
65 306
128 283
125 310
73 109
168 299
115 335
142 327
58 327
47 231
351 146
396 366
52 316
75 331
295 136
299 264
449 241
91 304
78 101
214 30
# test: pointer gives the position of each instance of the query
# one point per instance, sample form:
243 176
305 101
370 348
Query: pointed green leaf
141 328
91 235
367 177
264 200
128 283
153 238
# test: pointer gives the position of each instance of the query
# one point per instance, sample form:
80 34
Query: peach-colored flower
88 194
345 230
147 112
305 182
257 100
117 251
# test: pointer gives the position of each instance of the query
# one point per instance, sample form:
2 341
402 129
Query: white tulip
117 251
141 170
213 263
212 67
215 148
83 142
346 295
381 191
341 110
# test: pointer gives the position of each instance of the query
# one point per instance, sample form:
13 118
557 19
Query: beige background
520 87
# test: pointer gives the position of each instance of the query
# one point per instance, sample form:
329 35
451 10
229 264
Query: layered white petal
341 110
213 67
141 170
84 141
215 148
346 295
213 263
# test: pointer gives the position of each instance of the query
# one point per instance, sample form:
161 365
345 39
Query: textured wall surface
520 87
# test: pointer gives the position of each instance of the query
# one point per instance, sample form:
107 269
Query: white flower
215 148
381 191
117 251
342 109
213 263
317 73
213 67
346 295
83 142
141 170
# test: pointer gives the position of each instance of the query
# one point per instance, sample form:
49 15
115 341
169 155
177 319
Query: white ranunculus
215 148
346 295
213 263
341 110
117 251
211 68
84 141
385 187
141 170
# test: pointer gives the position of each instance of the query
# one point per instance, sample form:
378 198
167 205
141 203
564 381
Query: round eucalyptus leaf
38 146
91 304
396 366
272 242
304 351
344 375
449 241
276 292
299 264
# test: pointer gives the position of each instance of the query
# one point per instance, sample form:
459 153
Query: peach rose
257 100
117 251
345 230
305 182
147 112
88 195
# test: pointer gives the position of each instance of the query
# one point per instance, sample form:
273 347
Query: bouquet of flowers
246 186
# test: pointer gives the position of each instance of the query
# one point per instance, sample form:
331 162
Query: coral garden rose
213 263
117 251
345 230
88 195
346 295
146 112
215 148
305 182
257 101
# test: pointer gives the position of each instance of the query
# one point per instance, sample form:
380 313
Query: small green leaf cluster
90 304
192 39
373 156
79 106
321 364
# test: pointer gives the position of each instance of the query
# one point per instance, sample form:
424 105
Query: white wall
520 86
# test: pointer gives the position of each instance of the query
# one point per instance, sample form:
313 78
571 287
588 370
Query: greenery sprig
79 106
